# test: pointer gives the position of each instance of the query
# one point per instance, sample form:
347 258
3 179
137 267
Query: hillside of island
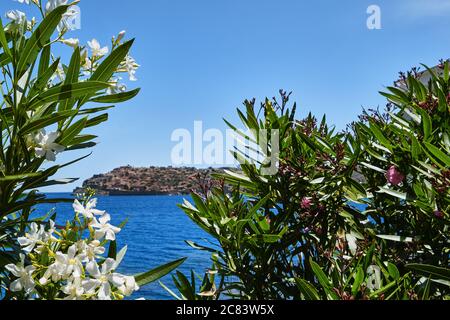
130 180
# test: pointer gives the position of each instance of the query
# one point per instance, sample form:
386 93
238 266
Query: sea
155 234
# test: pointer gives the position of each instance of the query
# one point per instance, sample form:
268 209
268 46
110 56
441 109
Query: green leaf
44 78
70 133
393 271
359 279
110 64
307 289
370 166
3 40
4 59
94 110
157 273
426 123
39 39
429 270
67 91
117 98
57 182
395 238
97 120
72 75
415 147
81 146
112 251
19 177
46 121
200 247
380 136
438 154
45 60
397 194
322 278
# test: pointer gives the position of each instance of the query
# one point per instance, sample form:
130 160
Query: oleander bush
362 214
47 107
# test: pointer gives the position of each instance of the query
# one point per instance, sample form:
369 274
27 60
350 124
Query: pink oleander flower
439 214
306 203
394 176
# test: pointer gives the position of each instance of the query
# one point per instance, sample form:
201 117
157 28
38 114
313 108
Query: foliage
362 214
46 110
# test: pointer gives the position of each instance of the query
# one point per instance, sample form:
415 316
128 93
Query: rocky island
130 180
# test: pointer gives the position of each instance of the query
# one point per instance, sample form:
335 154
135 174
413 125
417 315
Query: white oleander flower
69 15
24 274
97 50
70 263
59 74
129 286
90 251
86 63
89 211
71 42
64 267
16 16
116 86
73 289
131 66
35 236
46 146
104 229
102 279
23 1
53 272
53 4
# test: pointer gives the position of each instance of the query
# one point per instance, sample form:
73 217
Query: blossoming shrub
406 163
69 262
356 215
46 109
269 227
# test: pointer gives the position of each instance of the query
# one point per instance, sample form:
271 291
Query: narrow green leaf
395 238
397 194
157 273
63 92
72 75
97 120
307 289
3 40
117 98
438 154
44 61
39 38
429 270
46 121
70 133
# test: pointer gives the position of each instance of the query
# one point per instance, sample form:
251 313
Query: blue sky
201 58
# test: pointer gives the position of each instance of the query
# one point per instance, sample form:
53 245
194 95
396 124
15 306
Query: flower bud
394 176
439 214
120 36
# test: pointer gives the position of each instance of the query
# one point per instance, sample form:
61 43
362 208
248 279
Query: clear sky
201 58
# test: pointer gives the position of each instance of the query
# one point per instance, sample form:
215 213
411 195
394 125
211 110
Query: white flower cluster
44 145
89 62
69 261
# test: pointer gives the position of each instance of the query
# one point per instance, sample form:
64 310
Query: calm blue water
155 234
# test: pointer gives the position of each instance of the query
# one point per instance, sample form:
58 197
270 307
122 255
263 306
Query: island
130 180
